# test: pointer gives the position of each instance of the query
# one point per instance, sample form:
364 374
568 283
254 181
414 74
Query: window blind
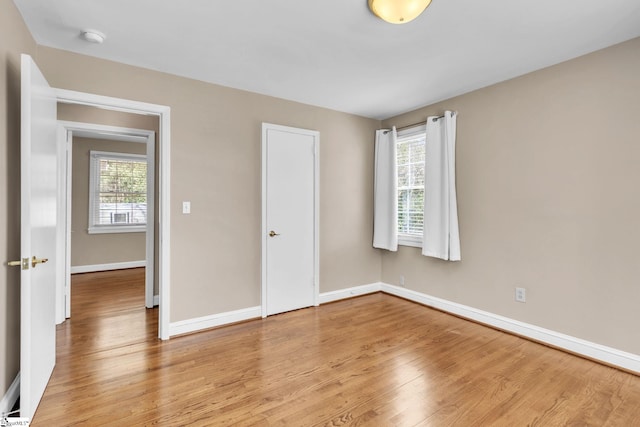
411 155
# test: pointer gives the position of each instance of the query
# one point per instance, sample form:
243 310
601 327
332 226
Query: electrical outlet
521 295
186 207
401 280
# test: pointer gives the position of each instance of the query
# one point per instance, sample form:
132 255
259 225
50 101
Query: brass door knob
273 233
24 263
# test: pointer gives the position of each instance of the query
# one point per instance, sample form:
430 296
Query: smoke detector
92 36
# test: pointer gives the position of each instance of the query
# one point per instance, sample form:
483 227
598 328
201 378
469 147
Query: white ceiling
335 53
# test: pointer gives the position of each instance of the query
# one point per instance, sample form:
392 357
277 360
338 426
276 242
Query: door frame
164 173
316 210
67 130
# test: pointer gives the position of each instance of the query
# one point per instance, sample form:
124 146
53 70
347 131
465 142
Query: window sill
118 229
413 241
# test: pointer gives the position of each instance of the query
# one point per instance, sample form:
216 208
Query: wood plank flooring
374 360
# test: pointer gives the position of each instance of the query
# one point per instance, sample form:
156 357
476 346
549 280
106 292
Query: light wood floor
374 360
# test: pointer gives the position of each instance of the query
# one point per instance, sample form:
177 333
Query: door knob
35 261
24 263
273 234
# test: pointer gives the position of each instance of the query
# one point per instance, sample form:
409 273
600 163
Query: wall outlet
401 280
186 207
521 295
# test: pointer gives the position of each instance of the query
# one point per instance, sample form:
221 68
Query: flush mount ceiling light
398 11
92 36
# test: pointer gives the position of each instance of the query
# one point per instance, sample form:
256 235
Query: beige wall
215 164
91 249
547 179
14 40
85 114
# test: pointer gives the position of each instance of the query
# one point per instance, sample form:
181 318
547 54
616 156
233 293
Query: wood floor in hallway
374 360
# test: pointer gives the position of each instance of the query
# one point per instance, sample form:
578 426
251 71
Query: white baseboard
206 322
591 350
11 396
106 267
220 319
608 355
355 291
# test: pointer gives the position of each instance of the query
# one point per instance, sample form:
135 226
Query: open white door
290 218
39 192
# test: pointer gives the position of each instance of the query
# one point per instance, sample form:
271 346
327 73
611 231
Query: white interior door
39 182
290 219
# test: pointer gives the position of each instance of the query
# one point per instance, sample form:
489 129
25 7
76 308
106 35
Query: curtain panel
441 238
385 213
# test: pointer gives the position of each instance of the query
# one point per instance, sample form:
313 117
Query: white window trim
106 229
411 239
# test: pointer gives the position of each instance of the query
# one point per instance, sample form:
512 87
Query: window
410 162
117 192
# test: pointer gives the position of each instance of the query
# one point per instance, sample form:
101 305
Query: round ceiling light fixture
398 11
92 36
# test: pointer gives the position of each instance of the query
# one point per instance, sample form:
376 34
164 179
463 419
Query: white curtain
441 237
385 198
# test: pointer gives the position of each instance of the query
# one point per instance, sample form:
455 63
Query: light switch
186 207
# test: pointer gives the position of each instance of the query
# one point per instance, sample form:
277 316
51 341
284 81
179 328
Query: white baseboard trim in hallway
11 396
220 319
590 350
106 267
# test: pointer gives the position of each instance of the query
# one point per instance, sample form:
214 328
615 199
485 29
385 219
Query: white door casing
164 179
39 190
289 218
